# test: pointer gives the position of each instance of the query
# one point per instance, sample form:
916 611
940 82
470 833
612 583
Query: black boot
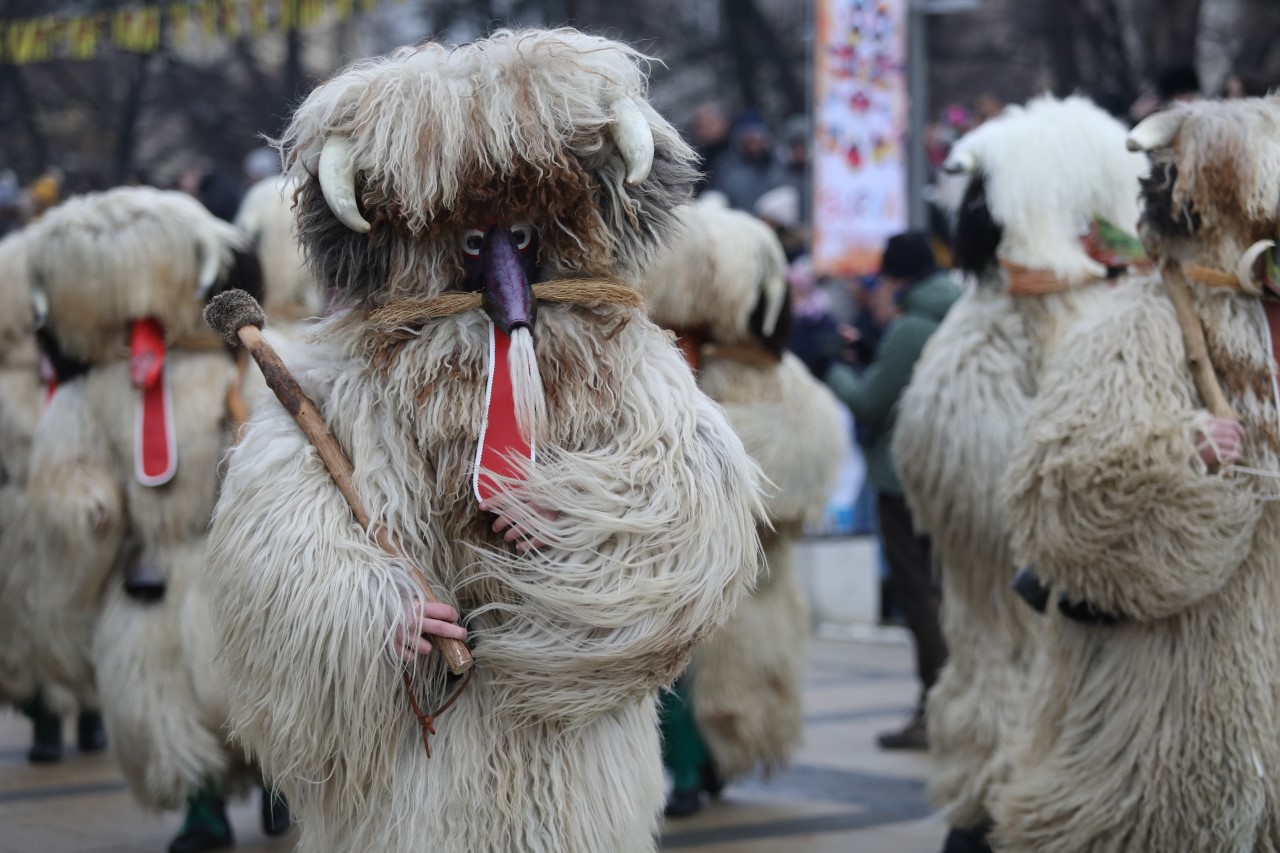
206 826
711 781
46 732
972 839
683 802
275 812
911 736
90 734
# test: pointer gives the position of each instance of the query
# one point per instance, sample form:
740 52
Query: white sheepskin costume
104 260
1158 732
1026 186
722 286
21 399
653 502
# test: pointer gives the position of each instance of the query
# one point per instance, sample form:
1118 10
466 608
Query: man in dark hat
910 300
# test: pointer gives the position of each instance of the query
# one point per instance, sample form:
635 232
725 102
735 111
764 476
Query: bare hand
1223 444
514 533
434 619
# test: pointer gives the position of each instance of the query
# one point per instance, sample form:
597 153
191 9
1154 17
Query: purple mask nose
507 296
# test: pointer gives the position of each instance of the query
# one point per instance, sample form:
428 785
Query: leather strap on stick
230 315
1193 341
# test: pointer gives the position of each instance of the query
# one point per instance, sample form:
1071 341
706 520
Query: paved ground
840 794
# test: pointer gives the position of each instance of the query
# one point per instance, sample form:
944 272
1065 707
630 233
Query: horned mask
490 176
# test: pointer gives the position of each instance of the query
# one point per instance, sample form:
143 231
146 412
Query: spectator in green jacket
911 299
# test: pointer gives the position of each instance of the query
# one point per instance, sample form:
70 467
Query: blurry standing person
910 301
709 134
745 172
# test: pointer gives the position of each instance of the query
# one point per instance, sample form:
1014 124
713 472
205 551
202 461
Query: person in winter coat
912 298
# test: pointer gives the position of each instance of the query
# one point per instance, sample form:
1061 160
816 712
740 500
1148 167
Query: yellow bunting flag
231 18
82 37
288 14
258 16
209 18
342 9
178 19
309 12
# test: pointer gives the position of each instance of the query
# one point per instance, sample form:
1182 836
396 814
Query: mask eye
472 240
522 233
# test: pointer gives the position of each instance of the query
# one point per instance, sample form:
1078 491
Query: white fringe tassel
526 384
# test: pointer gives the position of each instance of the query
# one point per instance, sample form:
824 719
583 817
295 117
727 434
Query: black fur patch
244 274
777 342
65 367
1158 211
977 234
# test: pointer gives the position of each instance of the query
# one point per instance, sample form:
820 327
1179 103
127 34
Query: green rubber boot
683 751
206 826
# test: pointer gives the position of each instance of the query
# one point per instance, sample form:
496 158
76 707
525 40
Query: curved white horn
961 163
775 295
39 306
338 182
1155 131
1244 268
211 253
631 133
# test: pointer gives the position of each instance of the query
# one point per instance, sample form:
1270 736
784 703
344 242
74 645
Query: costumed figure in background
124 477
528 438
22 398
1144 498
1023 188
266 216
721 287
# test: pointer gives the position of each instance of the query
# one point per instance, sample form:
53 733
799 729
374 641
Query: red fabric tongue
501 446
155 453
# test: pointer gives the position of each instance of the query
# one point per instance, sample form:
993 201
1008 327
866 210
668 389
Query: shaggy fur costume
553 746
162 708
726 275
266 217
21 398
1033 180
1158 733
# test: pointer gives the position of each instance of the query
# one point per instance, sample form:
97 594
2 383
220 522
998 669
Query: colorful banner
143 28
860 131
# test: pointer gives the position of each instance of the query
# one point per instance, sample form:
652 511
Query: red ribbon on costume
155 451
48 377
502 448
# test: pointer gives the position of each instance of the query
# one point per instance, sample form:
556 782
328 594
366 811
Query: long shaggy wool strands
1108 497
442 139
1049 168
747 694
958 422
725 268
97 254
526 384
161 705
21 398
552 746
267 218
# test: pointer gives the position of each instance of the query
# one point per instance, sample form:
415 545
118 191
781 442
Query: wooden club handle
456 654
1193 340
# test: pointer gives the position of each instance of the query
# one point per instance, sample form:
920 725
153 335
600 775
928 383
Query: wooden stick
1193 341
244 324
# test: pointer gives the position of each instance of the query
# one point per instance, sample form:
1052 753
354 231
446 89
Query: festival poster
860 131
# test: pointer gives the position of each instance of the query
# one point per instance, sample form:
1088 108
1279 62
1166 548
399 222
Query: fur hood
512 128
104 259
1025 186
